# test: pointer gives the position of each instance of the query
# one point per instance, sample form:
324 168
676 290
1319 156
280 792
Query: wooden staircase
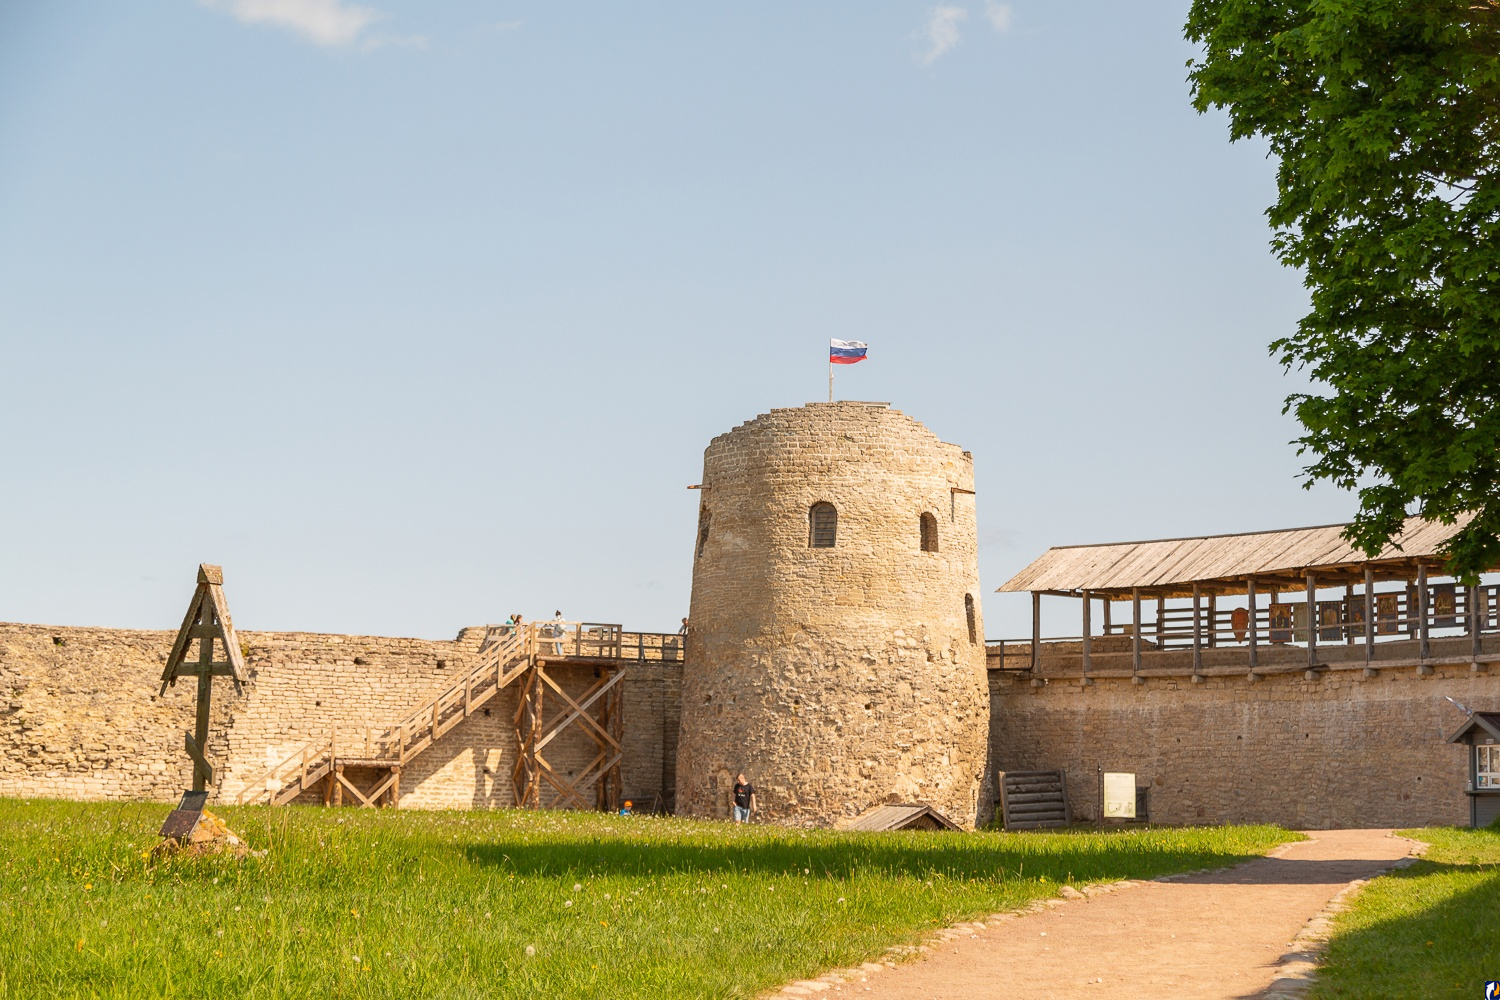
506 654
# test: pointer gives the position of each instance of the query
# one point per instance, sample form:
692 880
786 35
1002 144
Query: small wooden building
901 816
1482 736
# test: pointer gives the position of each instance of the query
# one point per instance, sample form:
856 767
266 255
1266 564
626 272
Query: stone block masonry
1343 750
837 647
80 719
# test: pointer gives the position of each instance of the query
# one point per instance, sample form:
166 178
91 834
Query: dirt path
1207 937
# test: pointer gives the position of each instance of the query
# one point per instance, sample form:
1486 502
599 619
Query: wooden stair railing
505 654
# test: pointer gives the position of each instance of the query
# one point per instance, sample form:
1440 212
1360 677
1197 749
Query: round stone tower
836 652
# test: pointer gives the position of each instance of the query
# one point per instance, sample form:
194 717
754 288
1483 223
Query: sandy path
1215 937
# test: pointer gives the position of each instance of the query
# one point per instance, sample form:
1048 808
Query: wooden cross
207 621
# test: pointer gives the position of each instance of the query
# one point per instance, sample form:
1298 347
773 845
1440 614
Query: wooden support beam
1036 629
1348 603
1088 639
1422 649
1135 630
1253 629
1473 597
1197 628
353 788
203 772
1312 619
580 709
1213 620
1369 612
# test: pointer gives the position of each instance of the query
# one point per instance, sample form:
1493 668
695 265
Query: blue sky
412 315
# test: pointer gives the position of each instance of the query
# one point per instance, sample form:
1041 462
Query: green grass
1430 931
400 904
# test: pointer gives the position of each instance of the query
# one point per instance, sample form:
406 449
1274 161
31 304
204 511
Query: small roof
901 816
1487 722
1171 564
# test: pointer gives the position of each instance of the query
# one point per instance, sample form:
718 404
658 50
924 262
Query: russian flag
846 352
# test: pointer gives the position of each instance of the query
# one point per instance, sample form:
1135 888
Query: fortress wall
1340 751
79 716
80 719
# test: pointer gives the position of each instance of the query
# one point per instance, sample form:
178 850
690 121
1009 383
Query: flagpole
830 376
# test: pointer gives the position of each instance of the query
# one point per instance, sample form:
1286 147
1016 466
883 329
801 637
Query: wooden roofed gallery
1261 602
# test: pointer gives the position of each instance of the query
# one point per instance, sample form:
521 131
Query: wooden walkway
532 657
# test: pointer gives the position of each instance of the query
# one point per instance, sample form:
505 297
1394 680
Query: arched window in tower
823 526
973 622
929 533
703 519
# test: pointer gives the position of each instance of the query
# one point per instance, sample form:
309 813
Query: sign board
1119 795
180 821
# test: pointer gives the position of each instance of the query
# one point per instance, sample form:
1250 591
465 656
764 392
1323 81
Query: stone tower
837 650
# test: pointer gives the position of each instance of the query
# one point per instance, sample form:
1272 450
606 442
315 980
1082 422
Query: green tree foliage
1385 116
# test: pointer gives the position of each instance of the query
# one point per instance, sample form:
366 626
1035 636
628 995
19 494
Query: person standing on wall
557 632
744 799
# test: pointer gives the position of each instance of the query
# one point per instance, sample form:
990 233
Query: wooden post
1369 612
1472 597
1312 620
1088 645
338 786
1422 609
1036 629
1108 625
1135 630
396 787
1161 617
200 726
1213 619
1348 600
1254 644
1197 628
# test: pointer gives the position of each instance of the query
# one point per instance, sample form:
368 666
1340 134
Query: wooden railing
504 655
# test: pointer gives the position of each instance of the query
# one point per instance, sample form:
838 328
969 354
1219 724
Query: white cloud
941 32
998 14
323 22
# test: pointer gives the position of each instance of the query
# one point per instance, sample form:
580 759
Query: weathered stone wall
1339 751
80 716
837 678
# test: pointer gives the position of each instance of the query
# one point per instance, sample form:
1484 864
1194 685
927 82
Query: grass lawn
509 904
1430 931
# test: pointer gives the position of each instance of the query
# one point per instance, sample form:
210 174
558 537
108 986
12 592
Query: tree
1385 117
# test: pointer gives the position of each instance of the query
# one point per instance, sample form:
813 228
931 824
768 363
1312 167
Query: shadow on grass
916 856
1445 947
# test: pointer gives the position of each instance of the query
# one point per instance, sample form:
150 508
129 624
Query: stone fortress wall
838 678
843 677
81 718
1339 751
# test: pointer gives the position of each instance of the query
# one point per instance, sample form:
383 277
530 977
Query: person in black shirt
744 799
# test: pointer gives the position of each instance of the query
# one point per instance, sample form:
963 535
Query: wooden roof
1170 565
1486 722
902 816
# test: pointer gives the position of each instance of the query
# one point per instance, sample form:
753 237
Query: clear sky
415 314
